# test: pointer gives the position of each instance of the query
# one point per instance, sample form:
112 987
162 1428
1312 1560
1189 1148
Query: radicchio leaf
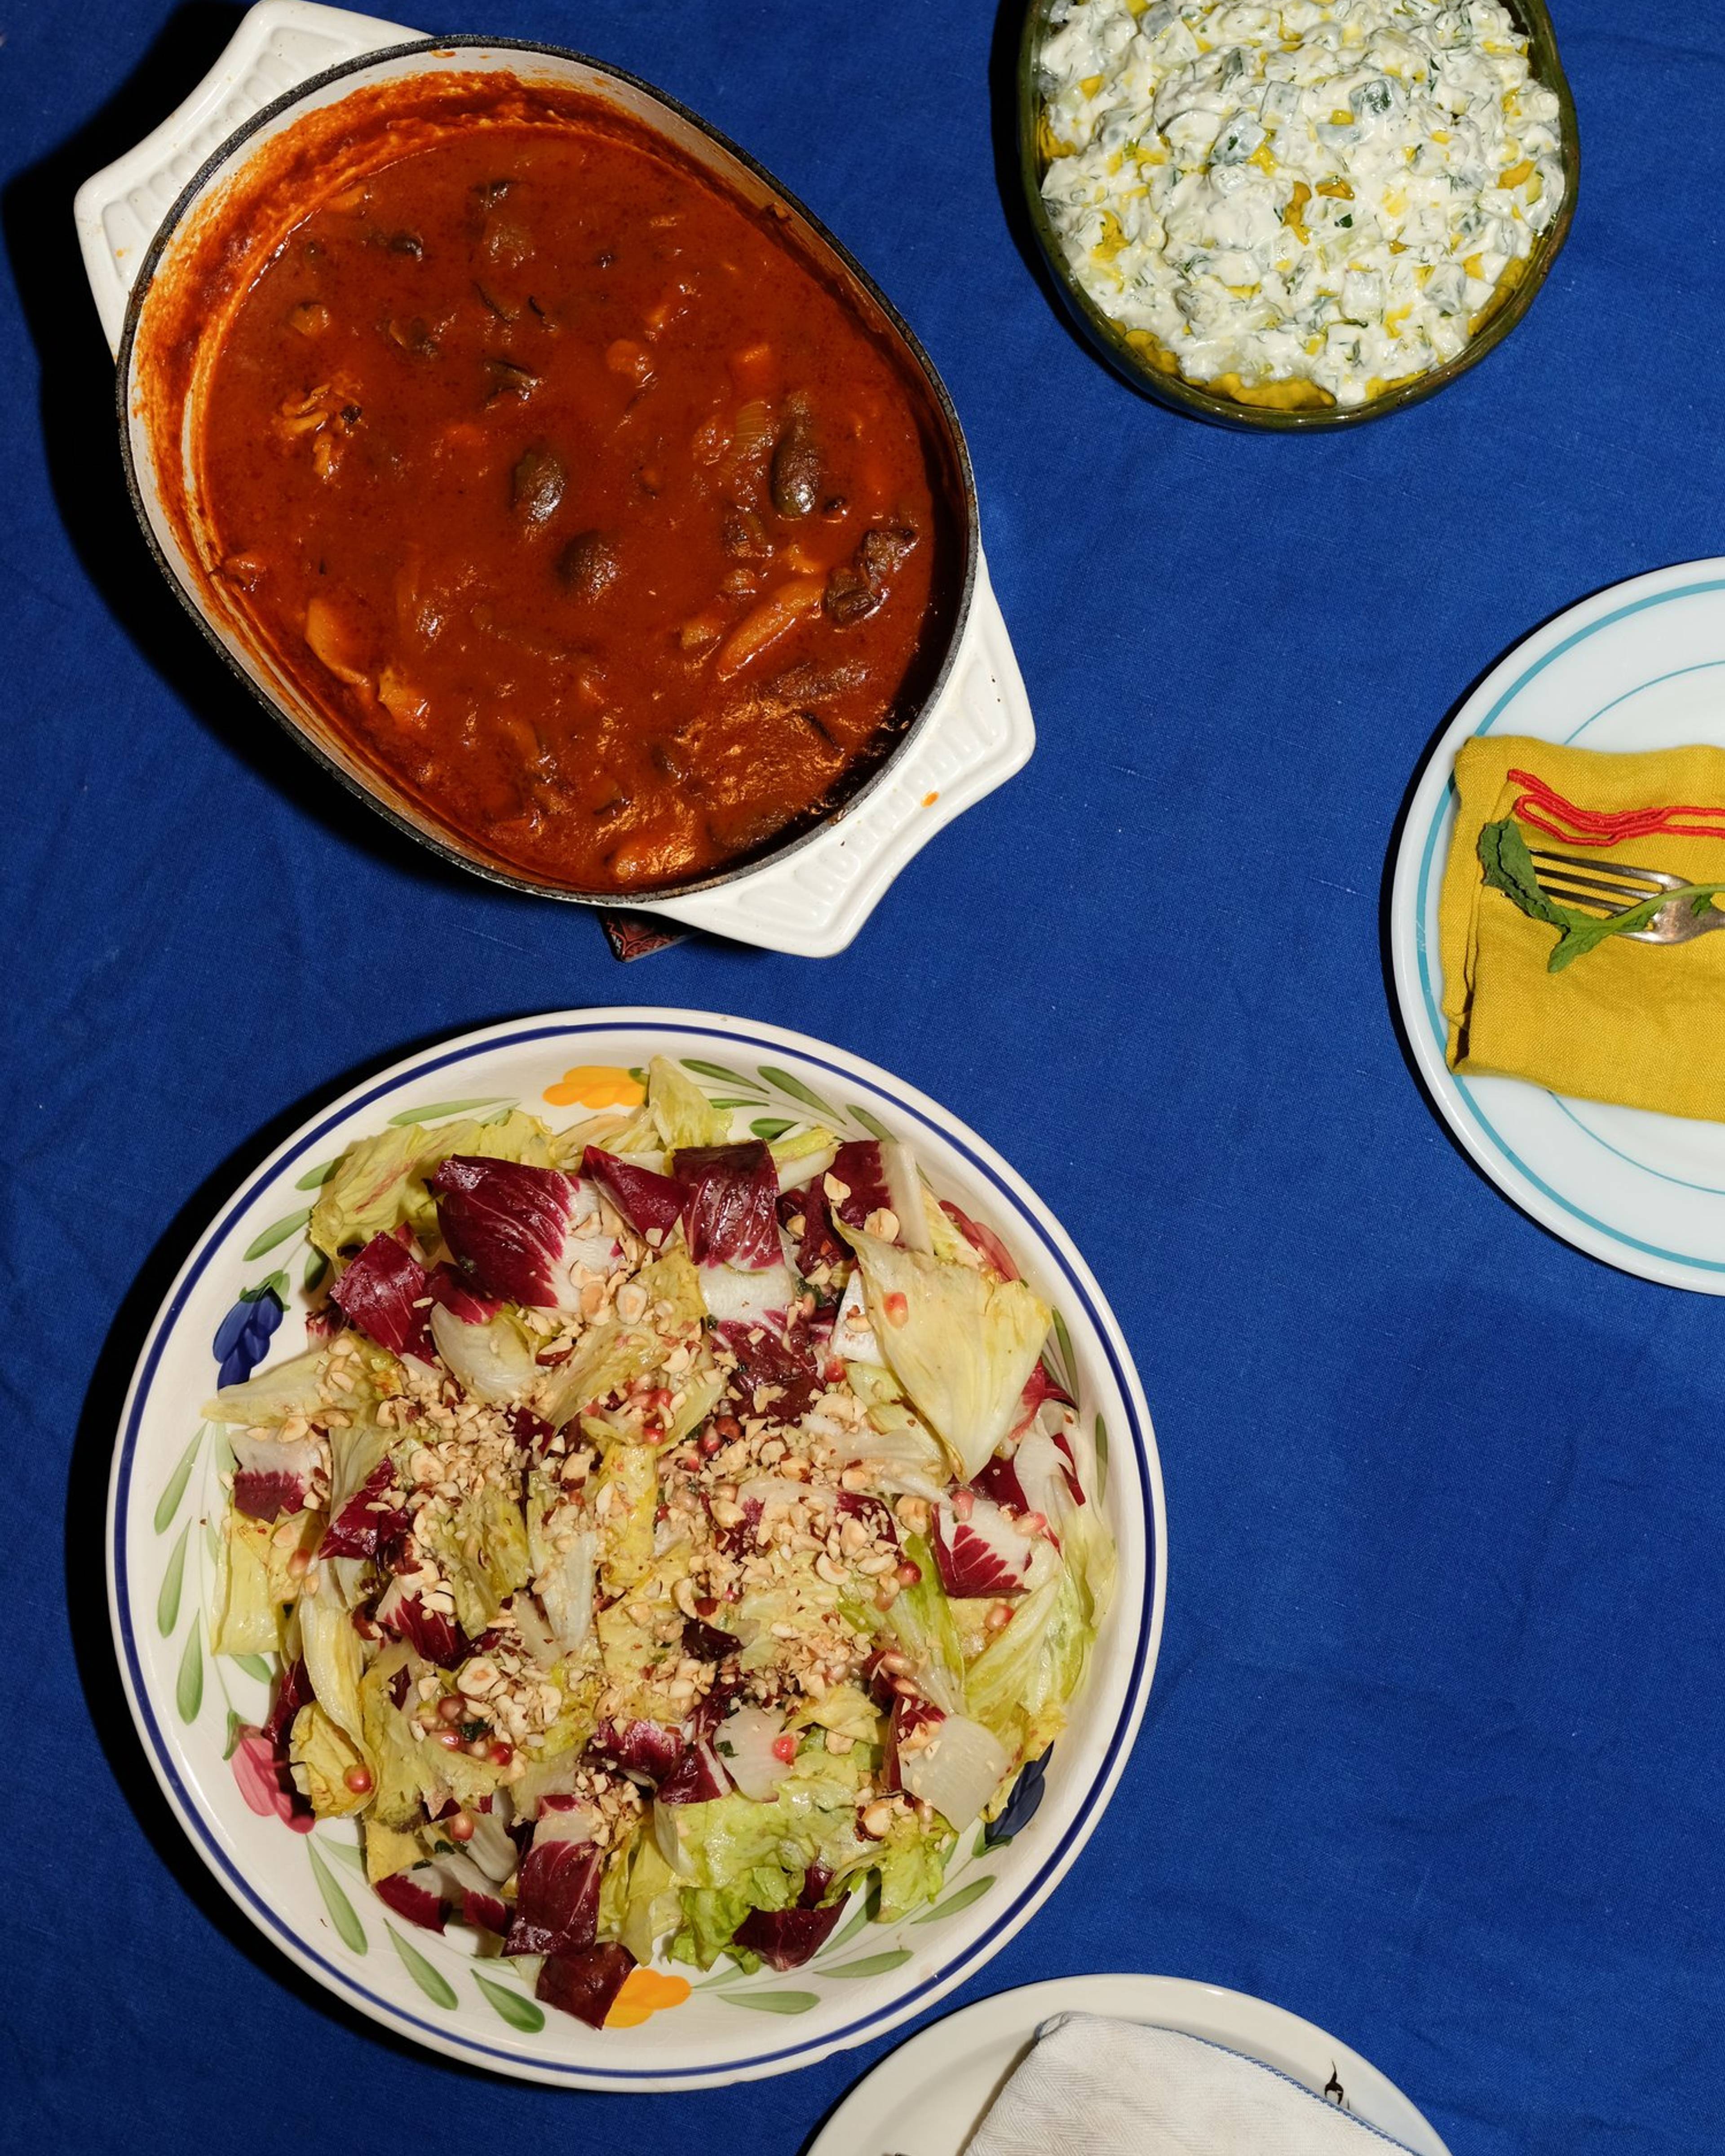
412 1898
765 1361
506 1224
981 1239
437 1638
785 1938
806 1216
367 1525
731 1211
585 1985
858 1166
652 1205
649 1750
696 1778
556 1898
383 1292
263 1495
456 1296
999 1480
484 1913
982 1553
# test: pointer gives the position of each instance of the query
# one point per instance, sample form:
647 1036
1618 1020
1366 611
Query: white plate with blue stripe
243 1293
1640 666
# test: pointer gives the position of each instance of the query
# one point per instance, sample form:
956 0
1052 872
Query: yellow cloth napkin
1633 1023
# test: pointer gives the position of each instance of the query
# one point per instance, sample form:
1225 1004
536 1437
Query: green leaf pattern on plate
431 1981
872 1124
276 1233
315 1178
176 1489
772 1126
719 1071
783 1082
870 1965
1101 1458
773 2002
348 1927
522 2013
188 1686
167 1601
437 1111
960 1899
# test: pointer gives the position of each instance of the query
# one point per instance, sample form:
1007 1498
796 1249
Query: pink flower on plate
264 1782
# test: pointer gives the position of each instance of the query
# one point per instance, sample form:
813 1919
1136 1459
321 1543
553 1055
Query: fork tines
1608 887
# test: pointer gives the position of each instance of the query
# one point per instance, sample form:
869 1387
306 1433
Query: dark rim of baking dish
871 772
1111 341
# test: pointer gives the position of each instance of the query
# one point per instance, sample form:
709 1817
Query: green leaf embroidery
431 1981
872 1124
719 1071
438 1110
171 1496
870 1965
278 1233
254 1665
771 2002
1070 1372
772 1126
316 1265
1101 1458
167 1601
1509 867
521 2014
797 1089
188 1689
349 1927
968 1893
315 1178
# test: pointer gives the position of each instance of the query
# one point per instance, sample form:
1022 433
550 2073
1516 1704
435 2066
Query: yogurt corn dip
1300 204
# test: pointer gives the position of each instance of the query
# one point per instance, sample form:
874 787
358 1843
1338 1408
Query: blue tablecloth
1434 1754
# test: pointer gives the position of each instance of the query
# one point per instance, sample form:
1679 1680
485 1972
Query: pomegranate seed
460 1827
897 1310
1000 1617
450 1739
908 1574
298 1564
711 1443
479 1749
500 1754
963 1504
784 1748
359 1781
704 1606
1034 1523
451 1709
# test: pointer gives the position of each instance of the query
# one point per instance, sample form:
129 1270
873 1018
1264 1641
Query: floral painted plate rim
1124 1664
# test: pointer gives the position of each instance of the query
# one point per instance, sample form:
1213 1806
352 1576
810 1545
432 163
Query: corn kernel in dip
1301 203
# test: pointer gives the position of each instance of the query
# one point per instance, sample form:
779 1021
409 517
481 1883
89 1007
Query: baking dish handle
280 44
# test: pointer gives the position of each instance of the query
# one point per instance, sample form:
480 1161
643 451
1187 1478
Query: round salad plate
1639 666
672 2028
930 2095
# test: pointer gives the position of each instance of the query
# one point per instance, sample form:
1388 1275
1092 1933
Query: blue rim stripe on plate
1440 1030
340 1979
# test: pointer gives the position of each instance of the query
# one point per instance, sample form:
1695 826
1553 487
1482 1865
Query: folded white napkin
1092 2087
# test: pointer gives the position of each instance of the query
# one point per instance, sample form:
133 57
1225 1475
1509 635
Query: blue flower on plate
242 1337
1022 1805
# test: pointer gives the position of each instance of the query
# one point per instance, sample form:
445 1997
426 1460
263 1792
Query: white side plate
978 733
930 2095
1640 666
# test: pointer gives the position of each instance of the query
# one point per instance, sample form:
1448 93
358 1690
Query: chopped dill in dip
1298 203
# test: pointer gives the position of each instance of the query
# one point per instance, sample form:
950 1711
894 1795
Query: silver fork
1611 888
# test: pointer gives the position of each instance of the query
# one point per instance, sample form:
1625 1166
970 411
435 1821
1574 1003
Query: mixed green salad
663 1537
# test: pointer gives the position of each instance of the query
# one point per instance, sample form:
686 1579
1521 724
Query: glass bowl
1114 342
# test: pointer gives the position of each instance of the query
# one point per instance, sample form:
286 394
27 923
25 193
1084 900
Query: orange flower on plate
645 1992
596 1085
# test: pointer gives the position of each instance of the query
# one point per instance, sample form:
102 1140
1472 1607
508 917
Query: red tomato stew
587 508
